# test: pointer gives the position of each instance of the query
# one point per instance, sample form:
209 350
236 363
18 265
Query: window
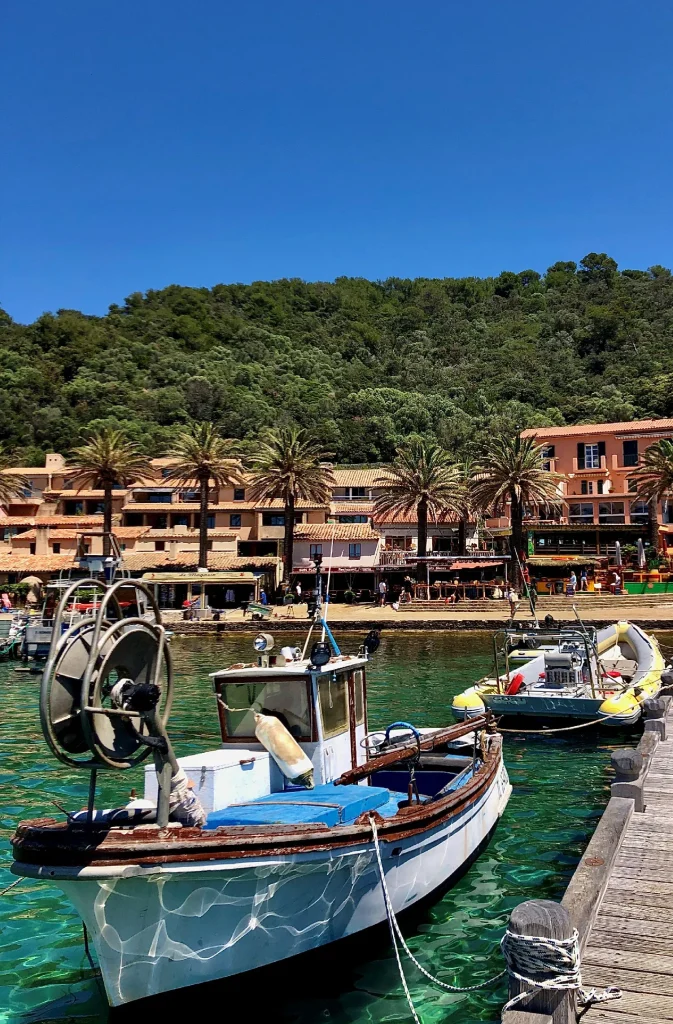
332 693
599 486
315 549
180 520
96 508
32 548
583 513
630 449
160 545
133 519
159 497
632 486
210 521
235 519
591 457
56 547
189 496
358 492
587 486
166 472
239 493
160 522
548 453
353 519
640 512
354 551
359 687
286 700
73 508
610 512
273 519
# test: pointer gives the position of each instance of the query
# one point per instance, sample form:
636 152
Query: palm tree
10 483
655 481
288 466
108 459
511 467
468 507
422 479
203 457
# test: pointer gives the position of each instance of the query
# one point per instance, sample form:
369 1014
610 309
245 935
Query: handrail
409 749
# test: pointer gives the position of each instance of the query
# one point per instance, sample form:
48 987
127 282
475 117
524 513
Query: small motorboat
569 673
273 851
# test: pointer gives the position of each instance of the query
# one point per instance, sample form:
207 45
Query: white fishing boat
274 850
568 673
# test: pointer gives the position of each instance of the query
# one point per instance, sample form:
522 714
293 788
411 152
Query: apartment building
597 503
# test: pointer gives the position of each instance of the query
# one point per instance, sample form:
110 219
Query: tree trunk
422 515
516 541
462 536
203 523
653 523
107 519
288 543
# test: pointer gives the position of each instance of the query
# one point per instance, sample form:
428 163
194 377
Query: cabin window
287 700
332 693
359 687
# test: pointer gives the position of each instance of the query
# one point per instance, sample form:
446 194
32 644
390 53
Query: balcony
394 557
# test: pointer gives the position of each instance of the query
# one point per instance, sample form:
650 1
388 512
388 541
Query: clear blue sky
154 142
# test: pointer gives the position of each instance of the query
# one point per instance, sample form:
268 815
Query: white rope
555 964
398 940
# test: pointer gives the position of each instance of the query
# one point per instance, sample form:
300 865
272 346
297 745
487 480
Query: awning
561 561
199 577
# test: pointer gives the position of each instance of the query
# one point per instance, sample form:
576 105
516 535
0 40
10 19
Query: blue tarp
330 804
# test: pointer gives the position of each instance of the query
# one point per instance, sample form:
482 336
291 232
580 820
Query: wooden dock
630 943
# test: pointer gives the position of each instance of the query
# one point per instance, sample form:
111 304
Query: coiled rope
555 962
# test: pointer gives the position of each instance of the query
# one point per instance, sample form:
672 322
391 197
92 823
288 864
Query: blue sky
155 142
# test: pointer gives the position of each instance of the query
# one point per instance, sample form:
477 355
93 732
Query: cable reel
107 686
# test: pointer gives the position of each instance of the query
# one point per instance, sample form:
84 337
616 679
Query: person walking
513 599
297 591
584 583
572 584
383 589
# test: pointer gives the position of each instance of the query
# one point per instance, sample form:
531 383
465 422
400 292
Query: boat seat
624 666
330 804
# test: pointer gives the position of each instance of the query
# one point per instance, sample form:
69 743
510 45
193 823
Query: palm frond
512 467
199 453
420 473
108 458
654 475
11 483
287 464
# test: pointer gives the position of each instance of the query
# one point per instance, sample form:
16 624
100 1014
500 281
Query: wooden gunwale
48 842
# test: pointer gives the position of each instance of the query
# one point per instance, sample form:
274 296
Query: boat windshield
286 699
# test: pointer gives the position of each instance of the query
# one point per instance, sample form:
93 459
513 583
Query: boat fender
614 674
284 749
515 685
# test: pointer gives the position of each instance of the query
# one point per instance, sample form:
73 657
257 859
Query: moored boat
568 673
273 852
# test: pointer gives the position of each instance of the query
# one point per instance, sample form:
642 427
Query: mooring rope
558 959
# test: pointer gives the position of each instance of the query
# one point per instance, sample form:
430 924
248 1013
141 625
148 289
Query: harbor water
561 785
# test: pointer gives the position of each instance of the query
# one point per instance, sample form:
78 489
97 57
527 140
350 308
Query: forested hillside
361 363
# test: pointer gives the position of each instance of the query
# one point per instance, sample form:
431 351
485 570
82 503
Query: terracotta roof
578 429
71 493
74 521
137 561
411 519
187 506
356 508
279 504
124 532
29 470
358 476
53 535
340 531
192 535
13 562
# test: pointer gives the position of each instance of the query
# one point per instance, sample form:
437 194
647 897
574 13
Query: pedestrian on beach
383 589
584 583
263 599
513 599
6 603
572 584
297 591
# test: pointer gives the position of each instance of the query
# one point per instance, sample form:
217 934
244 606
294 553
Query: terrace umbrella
641 554
618 553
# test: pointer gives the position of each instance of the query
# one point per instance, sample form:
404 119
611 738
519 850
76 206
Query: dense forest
362 364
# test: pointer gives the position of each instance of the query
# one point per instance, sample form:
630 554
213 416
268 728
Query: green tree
108 459
421 479
655 481
287 465
204 458
509 467
11 483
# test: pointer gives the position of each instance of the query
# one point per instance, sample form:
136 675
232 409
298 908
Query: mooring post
629 776
654 713
548 920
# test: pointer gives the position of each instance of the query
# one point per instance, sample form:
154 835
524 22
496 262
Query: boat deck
631 940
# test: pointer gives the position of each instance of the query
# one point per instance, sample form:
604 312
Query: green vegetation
655 481
363 365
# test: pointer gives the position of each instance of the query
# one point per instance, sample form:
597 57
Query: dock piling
629 778
549 920
654 713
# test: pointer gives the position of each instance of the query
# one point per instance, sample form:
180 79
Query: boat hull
163 927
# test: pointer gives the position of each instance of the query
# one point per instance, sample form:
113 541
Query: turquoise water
560 788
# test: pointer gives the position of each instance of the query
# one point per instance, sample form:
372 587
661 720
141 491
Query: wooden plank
627 945
600 1015
648 1005
638 910
646 880
628 981
654 929
656 859
653 842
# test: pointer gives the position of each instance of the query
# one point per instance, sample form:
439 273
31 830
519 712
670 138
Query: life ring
515 685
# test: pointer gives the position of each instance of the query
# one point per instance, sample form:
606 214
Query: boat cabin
324 706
